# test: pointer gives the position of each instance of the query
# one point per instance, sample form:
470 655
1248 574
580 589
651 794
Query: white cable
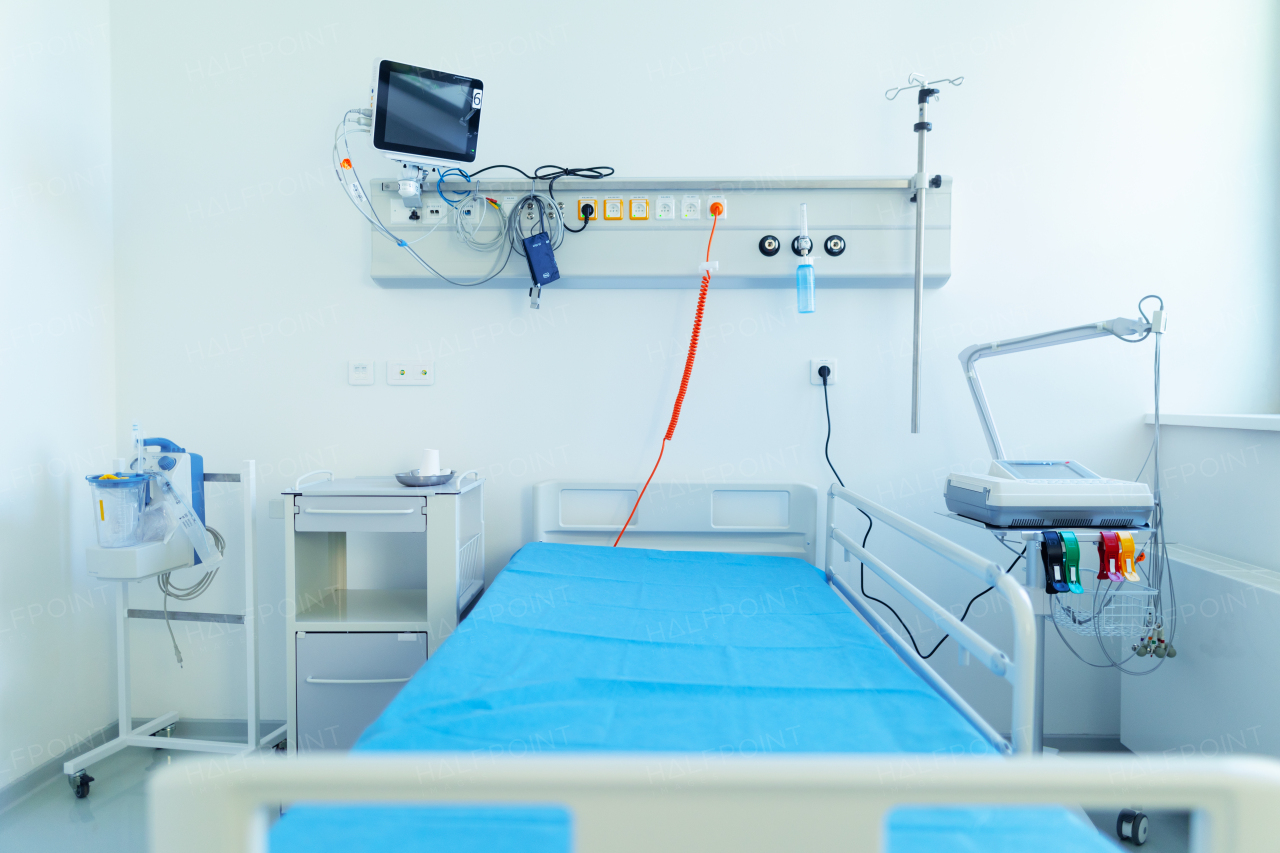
188 593
548 218
468 224
341 133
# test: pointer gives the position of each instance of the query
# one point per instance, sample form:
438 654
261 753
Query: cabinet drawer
346 680
361 514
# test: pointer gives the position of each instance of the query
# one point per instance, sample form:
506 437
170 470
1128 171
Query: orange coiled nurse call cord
716 209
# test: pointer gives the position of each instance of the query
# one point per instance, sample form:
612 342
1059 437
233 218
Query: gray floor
112 819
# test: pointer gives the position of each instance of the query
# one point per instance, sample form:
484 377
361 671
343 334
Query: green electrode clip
1071 558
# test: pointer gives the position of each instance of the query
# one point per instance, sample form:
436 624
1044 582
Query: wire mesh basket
1123 610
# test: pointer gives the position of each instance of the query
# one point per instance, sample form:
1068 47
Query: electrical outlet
691 207
814 364
411 373
666 208
360 372
724 205
401 215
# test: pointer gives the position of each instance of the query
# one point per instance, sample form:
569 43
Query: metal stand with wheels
146 734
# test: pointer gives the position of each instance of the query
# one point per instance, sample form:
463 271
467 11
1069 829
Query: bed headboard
771 519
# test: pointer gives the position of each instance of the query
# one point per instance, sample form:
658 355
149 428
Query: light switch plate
411 373
359 372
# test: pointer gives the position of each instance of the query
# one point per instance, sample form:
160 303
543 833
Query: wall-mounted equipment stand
133 565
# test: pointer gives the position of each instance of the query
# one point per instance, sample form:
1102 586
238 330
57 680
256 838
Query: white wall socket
411 373
360 372
814 364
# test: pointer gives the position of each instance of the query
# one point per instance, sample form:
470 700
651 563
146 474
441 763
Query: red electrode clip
1109 557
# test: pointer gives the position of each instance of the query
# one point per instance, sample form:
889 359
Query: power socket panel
814 364
360 372
430 213
411 373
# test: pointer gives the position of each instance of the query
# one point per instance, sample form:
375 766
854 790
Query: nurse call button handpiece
1071 560
1126 558
1109 557
1054 574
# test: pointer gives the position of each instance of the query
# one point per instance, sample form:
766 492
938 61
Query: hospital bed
697 700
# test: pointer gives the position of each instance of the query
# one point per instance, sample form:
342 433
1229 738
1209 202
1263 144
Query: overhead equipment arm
1120 327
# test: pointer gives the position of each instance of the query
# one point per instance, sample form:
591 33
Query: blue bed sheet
581 648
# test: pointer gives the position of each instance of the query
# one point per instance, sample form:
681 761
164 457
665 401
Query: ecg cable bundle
470 209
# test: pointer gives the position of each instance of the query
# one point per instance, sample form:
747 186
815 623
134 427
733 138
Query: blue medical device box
542 260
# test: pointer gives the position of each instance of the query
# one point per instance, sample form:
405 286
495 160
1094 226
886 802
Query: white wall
1100 152
57 347
1219 491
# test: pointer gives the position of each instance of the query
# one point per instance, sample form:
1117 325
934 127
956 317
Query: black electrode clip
1055 573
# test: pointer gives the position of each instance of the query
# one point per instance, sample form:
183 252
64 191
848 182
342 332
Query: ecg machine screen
1047 471
427 113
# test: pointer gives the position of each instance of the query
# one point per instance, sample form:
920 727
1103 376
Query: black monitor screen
427 113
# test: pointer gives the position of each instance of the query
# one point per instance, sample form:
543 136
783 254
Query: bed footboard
633 803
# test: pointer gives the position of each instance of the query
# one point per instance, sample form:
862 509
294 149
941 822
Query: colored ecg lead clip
1125 562
1109 557
1071 560
1051 553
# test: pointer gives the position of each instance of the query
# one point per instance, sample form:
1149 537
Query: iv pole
919 183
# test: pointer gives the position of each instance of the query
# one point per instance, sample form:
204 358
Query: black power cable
554 174
824 372
586 212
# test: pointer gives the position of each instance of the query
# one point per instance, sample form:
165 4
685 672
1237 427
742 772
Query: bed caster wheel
80 784
1131 826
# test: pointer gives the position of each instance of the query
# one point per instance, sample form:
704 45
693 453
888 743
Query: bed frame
780 519
697 802
1020 672
630 803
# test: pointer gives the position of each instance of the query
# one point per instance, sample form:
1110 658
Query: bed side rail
1018 671
639 803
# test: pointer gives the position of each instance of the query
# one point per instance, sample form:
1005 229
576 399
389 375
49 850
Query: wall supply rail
873 217
1020 671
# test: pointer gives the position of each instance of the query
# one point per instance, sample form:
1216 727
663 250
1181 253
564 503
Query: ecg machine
1047 493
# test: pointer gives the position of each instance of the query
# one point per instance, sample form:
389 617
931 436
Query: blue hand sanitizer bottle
804 270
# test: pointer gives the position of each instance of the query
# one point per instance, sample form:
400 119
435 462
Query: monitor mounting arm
1120 327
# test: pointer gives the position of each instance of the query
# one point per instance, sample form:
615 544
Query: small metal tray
411 478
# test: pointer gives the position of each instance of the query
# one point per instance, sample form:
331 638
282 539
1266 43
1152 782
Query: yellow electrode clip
1126 557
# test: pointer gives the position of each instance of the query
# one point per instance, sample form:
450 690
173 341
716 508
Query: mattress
583 648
